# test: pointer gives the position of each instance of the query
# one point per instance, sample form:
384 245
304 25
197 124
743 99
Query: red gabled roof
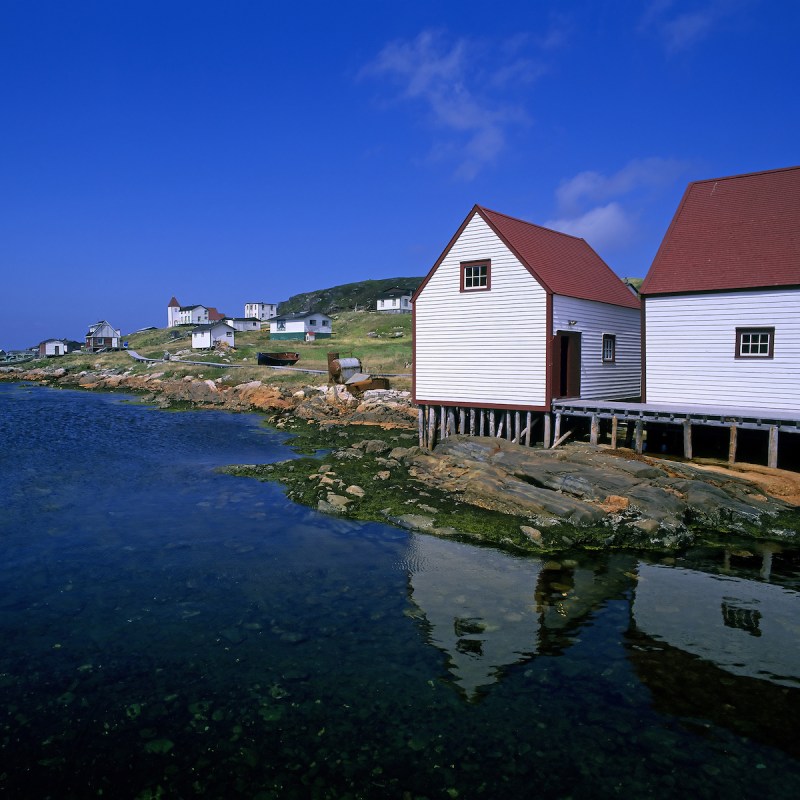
562 264
214 315
739 232
173 303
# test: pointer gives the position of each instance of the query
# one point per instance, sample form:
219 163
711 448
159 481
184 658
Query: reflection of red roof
214 315
173 303
739 232
563 264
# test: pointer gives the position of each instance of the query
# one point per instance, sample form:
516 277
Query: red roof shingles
173 303
738 232
563 264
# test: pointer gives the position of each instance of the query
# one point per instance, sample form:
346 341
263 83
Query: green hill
347 297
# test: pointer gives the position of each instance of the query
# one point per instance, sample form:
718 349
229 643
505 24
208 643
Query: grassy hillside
387 350
346 297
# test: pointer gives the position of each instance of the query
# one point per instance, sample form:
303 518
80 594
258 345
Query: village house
57 347
304 325
261 311
394 301
514 315
212 333
101 336
191 315
721 302
244 323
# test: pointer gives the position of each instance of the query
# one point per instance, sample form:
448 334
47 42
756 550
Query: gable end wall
484 347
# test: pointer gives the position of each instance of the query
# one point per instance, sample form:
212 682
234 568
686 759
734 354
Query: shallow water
171 631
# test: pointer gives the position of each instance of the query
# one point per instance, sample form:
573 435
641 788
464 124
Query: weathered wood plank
734 434
772 455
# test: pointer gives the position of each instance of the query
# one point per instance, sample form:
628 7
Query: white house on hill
513 316
261 311
721 301
187 315
305 325
210 334
394 301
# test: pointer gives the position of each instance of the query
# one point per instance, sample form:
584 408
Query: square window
475 276
609 348
755 342
280 325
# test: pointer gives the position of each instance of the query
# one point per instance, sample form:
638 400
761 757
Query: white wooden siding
691 344
599 381
484 347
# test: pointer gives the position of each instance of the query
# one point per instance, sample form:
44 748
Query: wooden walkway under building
437 422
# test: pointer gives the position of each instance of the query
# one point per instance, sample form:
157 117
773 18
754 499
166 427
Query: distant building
304 325
261 311
102 336
57 347
394 301
190 315
211 333
244 323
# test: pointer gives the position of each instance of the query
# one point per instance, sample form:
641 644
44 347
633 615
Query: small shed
299 326
205 336
57 347
513 315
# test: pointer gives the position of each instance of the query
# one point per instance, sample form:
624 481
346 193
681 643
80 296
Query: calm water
168 631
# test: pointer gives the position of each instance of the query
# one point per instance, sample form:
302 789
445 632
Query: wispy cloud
469 90
681 29
590 204
604 227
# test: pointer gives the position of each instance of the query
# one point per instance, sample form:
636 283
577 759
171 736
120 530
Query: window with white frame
475 276
755 342
609 348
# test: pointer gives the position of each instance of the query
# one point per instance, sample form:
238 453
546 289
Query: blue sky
226 152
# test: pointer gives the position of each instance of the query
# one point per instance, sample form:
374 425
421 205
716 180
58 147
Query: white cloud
595 205
681 30
638 174
607 227
466 88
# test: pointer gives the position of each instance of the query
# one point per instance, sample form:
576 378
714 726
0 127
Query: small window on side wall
609 348
476 276
755 342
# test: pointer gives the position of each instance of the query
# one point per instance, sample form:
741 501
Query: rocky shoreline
477 488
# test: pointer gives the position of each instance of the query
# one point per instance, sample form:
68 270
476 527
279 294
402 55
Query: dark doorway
567 364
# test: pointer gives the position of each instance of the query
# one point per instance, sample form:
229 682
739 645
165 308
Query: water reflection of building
719 647
490 612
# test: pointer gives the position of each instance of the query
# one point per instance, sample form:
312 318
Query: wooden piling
509 431
595 429
421 425
518 425
451 422
639 436
614 422
772 455
732 445
462 420
528 427
548 422
481 422
472 422
687 439
442 423
431 427
491 422
557 431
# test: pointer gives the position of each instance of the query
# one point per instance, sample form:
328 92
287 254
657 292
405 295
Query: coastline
360 460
